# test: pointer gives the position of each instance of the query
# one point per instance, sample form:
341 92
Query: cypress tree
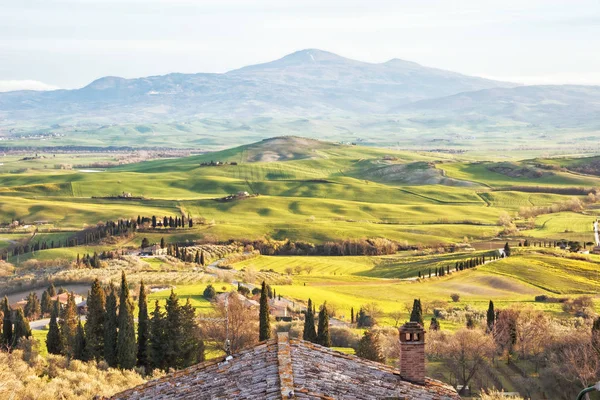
491 316
369 347
143 358
323 337
417 312
94 326
202 262
53 339
197 260
162 242
352 309
507 249
7 326
22 329
434 325
173 334
157 338
51 290
110 329
46 303
264 323
79 347
126 347
68 325
192 348
33 307
309 333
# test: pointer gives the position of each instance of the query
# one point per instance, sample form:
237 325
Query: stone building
284 368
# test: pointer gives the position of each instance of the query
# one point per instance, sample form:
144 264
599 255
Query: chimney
412 352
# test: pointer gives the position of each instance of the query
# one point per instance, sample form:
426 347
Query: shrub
342 336
209 292
455 297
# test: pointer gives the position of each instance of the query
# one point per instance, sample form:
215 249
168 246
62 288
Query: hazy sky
69 43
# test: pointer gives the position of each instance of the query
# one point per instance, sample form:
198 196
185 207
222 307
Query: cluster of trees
165 222
86 236
564 353
167 339
15 327
321 334
351 247
122 227
574 205
93 261
185 254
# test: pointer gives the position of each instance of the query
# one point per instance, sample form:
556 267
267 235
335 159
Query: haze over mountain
292 94
304 83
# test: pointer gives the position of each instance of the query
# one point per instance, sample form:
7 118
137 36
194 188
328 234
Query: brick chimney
412 352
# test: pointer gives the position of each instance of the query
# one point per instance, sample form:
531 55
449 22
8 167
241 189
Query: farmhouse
284 368
63 297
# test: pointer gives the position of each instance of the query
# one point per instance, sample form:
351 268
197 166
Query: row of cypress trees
169 340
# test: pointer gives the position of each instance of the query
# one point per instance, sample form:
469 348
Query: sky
46 44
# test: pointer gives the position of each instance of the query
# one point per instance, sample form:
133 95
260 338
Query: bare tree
397 317
233 320
465 352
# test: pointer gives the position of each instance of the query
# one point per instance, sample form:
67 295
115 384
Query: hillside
548 106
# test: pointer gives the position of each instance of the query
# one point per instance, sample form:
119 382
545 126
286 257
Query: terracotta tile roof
288 369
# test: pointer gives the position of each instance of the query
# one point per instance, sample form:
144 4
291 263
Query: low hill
551 105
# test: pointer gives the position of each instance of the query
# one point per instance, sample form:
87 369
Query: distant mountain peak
106 82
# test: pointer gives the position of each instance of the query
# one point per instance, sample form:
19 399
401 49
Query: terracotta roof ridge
189 370
429 382
284 365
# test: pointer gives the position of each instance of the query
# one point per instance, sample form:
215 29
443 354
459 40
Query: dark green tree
126 346
145 243
173 332
352 314
53 339
68 325
33 308
202 262
192 347
197 259
94 326
46 304
507 249
491 316
434 325
369 347
110 328
323 337
7 325
22 329
51 290
417 312
162 243
157 338
143 358
264 322
209 292
79 347
310 332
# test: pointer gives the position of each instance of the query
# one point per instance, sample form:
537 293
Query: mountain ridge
310 84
